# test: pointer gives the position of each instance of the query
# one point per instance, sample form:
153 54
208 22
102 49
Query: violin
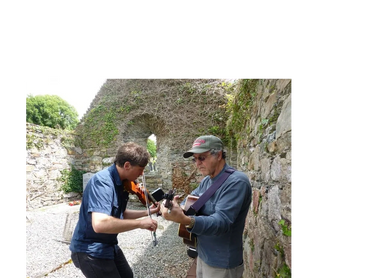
134 188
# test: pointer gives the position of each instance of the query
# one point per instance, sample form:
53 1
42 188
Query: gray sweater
220 222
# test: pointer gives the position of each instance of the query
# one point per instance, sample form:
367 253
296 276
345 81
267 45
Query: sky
78 92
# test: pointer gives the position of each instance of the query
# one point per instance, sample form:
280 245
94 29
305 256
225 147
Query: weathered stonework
48 152
270 159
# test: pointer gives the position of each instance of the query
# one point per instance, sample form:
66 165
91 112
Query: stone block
70 224
85 179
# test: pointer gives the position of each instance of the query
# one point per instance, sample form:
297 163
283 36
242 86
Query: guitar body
187 237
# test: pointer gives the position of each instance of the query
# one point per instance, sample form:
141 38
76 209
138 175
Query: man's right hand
148 224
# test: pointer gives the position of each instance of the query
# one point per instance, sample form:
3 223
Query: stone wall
264 154
176 111
48 152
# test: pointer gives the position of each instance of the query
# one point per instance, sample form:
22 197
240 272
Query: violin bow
154 236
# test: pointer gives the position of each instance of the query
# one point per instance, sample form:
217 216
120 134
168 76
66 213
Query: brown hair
133 153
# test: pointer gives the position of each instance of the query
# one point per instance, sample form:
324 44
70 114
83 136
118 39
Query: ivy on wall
67 137
182 109
72 180
239 105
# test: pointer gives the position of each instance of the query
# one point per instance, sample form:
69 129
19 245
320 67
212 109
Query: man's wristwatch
192 222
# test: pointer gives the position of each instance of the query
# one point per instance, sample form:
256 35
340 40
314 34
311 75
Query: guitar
188 238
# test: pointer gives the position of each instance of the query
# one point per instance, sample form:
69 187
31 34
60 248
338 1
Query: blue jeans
93 267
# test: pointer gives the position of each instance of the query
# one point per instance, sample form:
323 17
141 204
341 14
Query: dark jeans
93 267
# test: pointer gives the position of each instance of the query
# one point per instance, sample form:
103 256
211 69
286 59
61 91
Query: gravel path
47 256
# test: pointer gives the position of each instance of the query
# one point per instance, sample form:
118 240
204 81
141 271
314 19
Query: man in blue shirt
219 224
103 215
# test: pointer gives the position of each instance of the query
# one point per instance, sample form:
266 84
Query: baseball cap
203 144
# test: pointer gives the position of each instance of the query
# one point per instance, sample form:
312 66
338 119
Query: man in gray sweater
219 223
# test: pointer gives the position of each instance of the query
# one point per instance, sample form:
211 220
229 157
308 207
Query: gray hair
214 152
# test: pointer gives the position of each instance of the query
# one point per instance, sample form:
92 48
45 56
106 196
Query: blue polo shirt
103 193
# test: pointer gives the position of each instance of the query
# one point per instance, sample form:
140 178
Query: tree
51 111
152 148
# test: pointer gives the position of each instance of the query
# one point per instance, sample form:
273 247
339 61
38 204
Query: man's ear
219 157
127 165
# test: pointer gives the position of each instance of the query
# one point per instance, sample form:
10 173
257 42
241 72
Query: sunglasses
200 158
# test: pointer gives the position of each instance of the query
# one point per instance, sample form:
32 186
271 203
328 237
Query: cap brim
193 151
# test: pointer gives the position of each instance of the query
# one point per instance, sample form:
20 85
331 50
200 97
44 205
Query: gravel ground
47 256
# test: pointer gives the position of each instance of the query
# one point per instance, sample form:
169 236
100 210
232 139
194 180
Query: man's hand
176 214
148 224
155 208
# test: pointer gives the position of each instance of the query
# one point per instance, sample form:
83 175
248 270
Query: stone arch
139 130
175 110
